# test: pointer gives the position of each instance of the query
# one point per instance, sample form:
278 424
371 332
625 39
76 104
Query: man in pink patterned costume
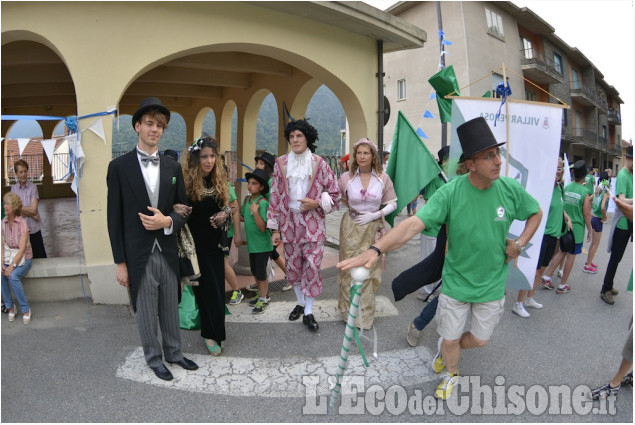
303 190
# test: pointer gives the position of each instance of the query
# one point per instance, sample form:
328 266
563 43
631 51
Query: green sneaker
260 307
237 297
255 299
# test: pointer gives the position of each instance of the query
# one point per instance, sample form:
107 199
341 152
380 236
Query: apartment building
483 37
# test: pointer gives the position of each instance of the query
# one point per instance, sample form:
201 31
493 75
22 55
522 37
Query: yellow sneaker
444 390
438 364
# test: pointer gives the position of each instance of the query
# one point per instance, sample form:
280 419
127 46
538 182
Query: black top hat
475 136
148 104
579 170
172 154
443 153
267 158
261 177
629 152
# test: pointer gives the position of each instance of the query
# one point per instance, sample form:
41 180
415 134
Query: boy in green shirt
577 205
259 246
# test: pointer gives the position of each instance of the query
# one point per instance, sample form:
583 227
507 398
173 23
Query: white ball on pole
360 274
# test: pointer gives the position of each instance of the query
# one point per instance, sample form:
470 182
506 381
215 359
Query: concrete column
93 192
47 181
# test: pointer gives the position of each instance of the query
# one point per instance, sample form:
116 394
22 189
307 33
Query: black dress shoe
162 372
310 322
186 364
296 313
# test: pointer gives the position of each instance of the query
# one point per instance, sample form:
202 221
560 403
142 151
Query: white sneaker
530 302
413 335
520 310
560 273
423 293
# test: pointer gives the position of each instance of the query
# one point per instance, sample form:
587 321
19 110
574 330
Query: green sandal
215 349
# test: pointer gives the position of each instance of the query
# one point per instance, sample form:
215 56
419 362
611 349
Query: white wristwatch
15 266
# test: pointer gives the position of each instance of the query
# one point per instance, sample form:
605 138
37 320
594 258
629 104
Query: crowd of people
473 286
287 201
151 197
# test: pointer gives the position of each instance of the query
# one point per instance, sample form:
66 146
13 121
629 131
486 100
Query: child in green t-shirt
266 162
259 246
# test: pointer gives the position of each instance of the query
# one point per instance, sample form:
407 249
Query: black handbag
567 240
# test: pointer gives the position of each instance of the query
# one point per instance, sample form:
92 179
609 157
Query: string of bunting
76 156
427 114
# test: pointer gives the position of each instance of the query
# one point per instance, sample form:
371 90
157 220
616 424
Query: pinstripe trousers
158 296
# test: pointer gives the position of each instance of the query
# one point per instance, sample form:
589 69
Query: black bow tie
146 159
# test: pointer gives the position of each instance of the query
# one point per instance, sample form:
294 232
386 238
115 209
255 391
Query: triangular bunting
428 114
22 144
446 42
421 133
49 146
98 128
432 96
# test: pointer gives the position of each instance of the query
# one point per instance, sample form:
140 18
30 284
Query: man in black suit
143 187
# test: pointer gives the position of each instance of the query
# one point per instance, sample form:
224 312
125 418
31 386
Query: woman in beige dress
369 194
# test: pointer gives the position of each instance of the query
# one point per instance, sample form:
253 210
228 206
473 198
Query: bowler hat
579 169
475 136
261 177
629 152
148 104
267 158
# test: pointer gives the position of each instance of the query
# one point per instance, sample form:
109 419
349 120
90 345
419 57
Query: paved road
81 363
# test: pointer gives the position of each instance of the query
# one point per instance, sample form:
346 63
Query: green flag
444 83
411 166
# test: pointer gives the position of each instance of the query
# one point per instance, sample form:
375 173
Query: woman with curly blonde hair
370 195
208 194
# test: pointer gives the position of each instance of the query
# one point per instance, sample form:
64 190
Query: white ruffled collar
299 165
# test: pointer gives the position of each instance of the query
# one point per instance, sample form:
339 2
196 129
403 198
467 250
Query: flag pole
506 84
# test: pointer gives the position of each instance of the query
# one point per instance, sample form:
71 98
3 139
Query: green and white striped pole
358 275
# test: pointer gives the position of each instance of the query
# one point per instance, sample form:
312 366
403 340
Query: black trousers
620 241
37 244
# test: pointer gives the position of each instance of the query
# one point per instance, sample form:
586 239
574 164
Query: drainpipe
380 96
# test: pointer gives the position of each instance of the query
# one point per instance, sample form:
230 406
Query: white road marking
282 377
278 312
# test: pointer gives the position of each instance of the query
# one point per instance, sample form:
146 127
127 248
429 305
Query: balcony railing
59 167
587 96
540 68
585 136
614 117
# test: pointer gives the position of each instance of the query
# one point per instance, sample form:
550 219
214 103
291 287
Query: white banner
534 144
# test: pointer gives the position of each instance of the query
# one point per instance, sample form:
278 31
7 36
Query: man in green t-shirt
478 208
623 230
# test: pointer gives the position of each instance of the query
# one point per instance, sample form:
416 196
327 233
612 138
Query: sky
602 30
